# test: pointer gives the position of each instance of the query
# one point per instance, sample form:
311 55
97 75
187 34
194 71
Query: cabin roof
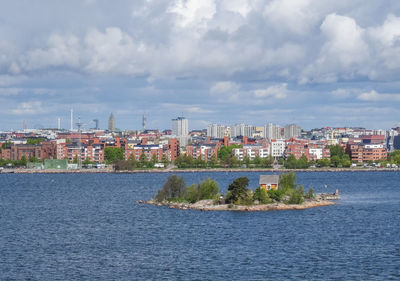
269 179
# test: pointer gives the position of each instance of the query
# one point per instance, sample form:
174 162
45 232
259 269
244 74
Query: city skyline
312 63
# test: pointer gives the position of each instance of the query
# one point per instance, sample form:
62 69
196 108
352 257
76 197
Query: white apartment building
272 131
292 131
277 148
217 131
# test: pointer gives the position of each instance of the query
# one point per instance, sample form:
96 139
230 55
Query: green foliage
87 161
267 162
165 160
213 161
346 161
184 161
173 188
338 156
261 195
287 181
394 157
34 141
276 194
113 153
125 165
226 151
336 150
293 163
335 160
207 189
247 199
324 162
297 196
237 189
230 161
33 159
302 163
309 194
154 159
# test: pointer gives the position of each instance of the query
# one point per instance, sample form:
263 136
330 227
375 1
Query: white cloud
375 96
28 108
224 87
294 16
277 91
225 91
60 51
193 12
113 51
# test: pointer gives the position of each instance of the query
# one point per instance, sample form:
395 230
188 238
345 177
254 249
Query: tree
213 161
297 196
267 162
335 160
207 189
87 161
324 162
291 162
302 163
154 159
173 188
226 151
113 153
247 161
33 159
261 195
257 161
165 160
142 160
237 190
34 141
23 161
287 181
336 150
199 162
346 161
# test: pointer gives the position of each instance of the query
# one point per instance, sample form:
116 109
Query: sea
89 227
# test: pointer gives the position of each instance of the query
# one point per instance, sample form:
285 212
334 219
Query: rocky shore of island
209 205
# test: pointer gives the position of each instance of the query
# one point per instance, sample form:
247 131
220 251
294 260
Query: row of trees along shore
225 159
238 193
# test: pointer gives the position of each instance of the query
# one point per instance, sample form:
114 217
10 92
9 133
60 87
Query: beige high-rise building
111 123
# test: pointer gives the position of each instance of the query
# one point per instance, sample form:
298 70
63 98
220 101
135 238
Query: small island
273 193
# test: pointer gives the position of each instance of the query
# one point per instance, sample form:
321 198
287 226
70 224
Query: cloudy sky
312 62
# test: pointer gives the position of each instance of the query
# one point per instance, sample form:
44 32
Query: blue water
89 227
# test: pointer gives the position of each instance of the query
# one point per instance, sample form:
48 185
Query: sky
314 63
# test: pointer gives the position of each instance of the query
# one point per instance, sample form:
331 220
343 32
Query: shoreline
207 205
227 170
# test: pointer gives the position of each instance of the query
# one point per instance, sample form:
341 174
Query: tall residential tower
111 123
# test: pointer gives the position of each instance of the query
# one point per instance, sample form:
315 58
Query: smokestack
59 123
72 119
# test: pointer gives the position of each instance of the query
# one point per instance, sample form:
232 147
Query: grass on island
175 190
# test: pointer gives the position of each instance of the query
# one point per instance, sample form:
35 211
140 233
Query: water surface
88 227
